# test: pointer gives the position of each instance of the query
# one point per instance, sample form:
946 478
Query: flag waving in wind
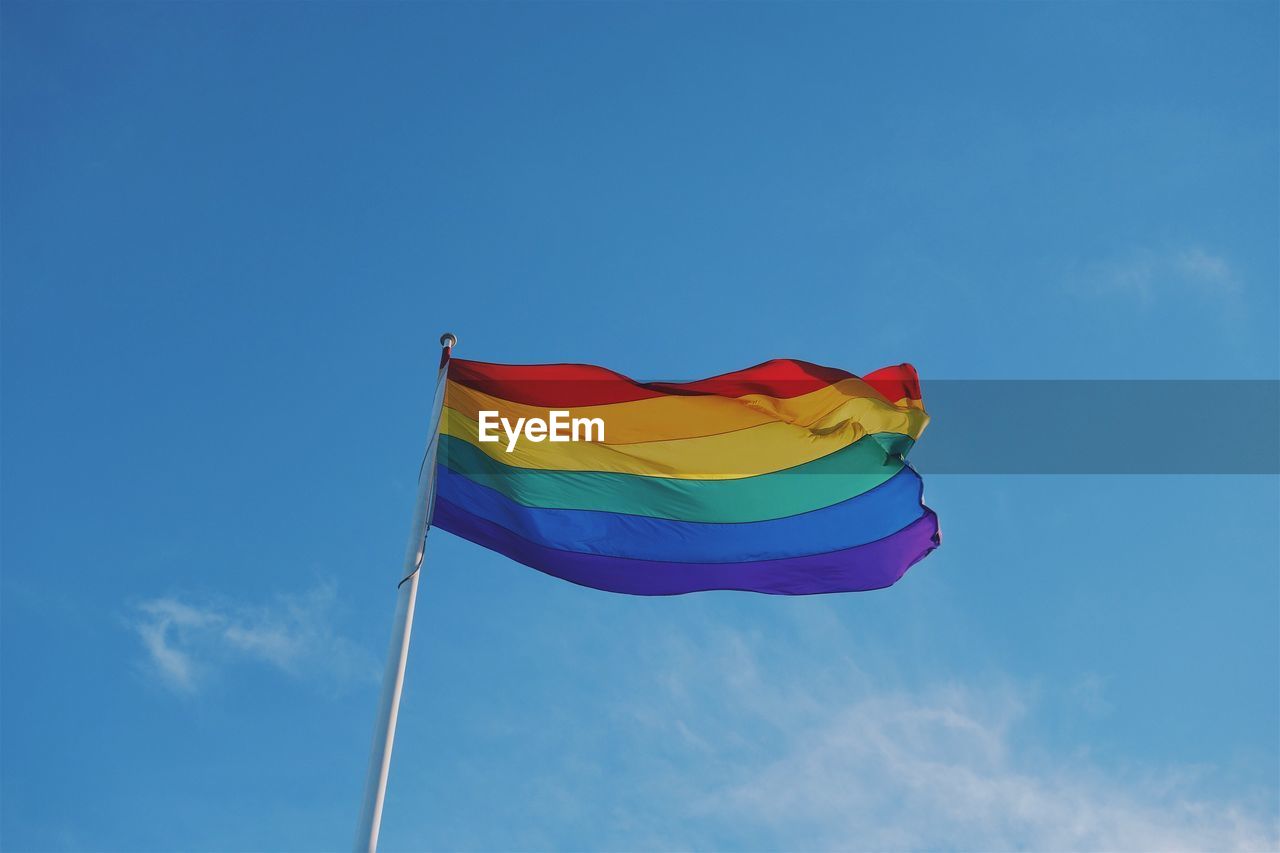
785 478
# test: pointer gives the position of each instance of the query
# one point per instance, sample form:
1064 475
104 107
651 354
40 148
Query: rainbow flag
785 478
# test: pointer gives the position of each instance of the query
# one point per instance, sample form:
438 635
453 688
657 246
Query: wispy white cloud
1089 693
1210 272
187 642
820 758
1149 274
163 626
948 768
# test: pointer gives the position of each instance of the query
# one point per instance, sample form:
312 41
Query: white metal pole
384 733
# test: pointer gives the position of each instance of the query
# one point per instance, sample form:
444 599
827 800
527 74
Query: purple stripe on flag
872 566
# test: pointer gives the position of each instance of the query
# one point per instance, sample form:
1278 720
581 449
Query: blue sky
233 232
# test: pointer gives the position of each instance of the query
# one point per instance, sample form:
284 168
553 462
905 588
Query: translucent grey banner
1074 426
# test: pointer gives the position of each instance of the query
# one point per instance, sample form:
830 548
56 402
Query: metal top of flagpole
448 340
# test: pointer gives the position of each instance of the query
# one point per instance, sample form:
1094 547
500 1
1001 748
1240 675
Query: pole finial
448 340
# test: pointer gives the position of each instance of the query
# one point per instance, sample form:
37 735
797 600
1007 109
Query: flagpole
384 733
